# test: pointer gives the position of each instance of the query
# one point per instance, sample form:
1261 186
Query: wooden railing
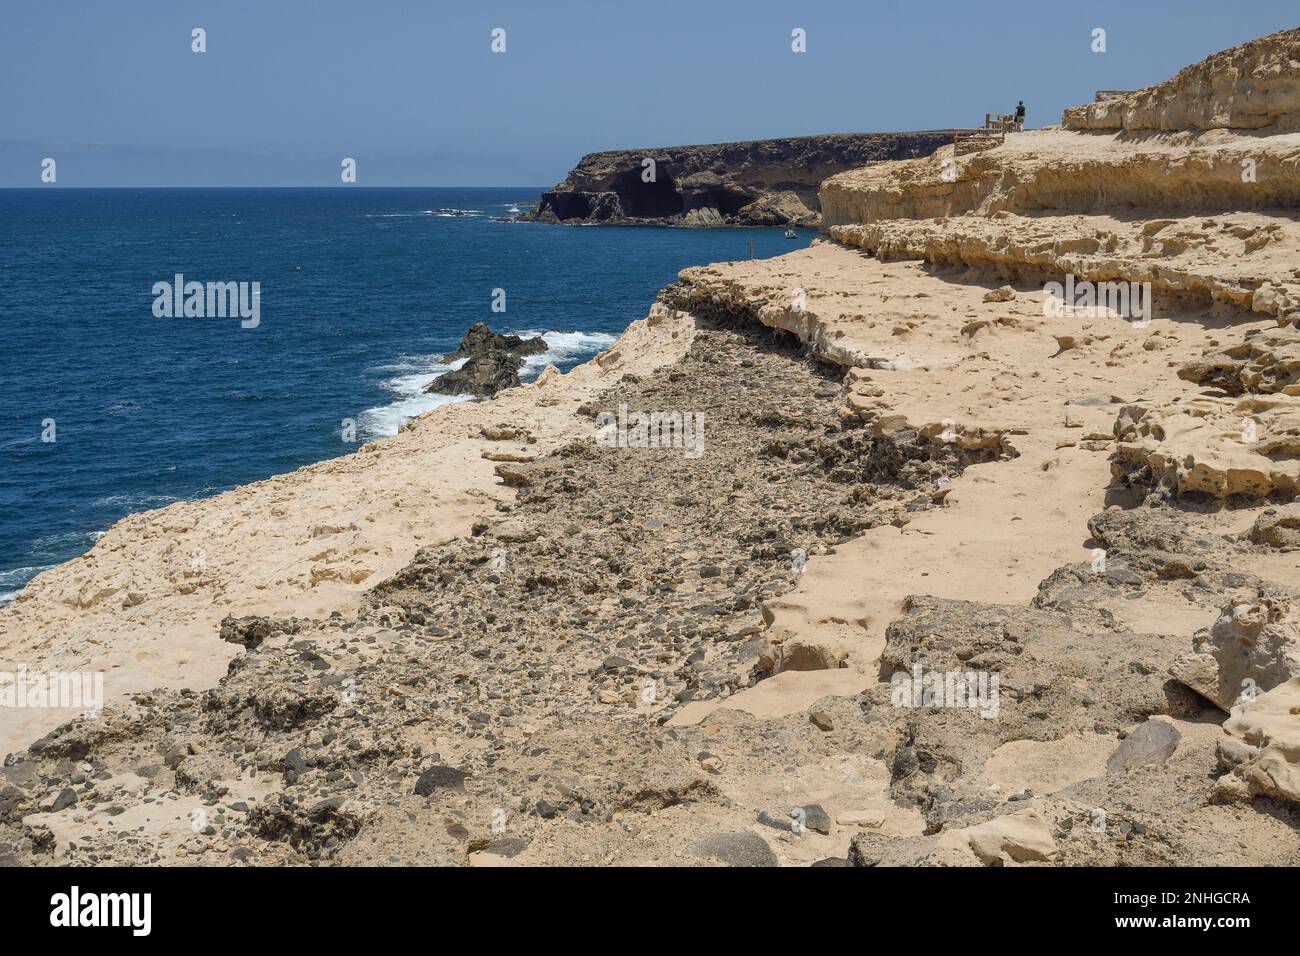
992 133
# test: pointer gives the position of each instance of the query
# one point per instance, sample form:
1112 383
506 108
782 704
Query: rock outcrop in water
767 182
480 338
492 362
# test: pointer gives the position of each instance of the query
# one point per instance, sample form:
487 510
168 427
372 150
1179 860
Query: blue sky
412 90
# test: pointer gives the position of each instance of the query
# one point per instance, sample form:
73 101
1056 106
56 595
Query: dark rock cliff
766 182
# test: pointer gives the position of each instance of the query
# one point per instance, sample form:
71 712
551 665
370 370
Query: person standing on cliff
1020 117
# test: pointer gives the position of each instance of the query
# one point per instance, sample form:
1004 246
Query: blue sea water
362 292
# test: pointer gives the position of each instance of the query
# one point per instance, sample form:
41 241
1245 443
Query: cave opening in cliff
648 200
730 201
569 205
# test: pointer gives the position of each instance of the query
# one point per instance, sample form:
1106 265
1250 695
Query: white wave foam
563 347
418 376
64 539
22 574
18 577
452 213
383 421
414 373
136 502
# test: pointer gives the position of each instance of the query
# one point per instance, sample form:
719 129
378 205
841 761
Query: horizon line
50 187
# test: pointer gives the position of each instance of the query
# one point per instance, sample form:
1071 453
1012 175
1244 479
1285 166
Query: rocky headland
960 577
768 182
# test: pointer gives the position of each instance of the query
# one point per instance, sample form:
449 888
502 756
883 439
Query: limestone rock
1266 364
810 654
1251 86
779 209
1261 745
1278 528
1255 645
1014 838
1211 446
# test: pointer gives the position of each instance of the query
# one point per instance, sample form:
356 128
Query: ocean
361 293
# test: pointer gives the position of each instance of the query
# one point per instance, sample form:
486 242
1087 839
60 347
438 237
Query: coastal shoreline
305 543
959 577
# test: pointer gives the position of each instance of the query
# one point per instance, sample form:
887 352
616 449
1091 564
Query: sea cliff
769 182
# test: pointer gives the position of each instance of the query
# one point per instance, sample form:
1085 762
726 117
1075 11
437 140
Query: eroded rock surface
1260 746
1252 86
1253 646
1219 448
521 674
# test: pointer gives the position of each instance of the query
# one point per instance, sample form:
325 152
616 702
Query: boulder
480 338
1151 744
1278 528
439 777
1260 746
483 375
1254 645
492 362
735 849
1014 838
